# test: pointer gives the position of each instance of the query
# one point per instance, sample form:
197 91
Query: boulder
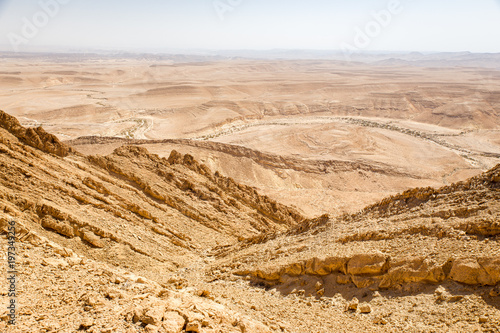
365 308
153 315
173 322
469 271
61 227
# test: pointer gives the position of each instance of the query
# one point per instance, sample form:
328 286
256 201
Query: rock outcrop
423 236
158 210
34 137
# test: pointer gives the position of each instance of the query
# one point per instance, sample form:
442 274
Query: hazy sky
162 25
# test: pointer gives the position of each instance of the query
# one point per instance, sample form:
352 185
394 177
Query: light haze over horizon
162 26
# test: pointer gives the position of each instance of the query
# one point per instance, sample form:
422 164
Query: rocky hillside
423 235
261 158
132 242
130 209
62 291
441 244
130 200
34 137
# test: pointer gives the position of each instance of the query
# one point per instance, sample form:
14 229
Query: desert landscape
231 194
354 132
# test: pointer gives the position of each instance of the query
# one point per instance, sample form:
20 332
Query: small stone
440 290
365 308
54 262
63 252
73 261
380 321
114 294
483 319
86 323
193 326
318 286
321 292
153 315
343 279
442 294
455 298
203 293
92 300
137 314
151 328
352 305
173 322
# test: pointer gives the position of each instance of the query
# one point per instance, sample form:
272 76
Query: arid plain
237 195
353 132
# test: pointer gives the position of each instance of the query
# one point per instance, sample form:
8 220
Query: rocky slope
262 158
66 292
133 242
130 199
34 137
423 235
314 186
130 209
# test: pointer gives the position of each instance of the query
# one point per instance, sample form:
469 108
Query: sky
173 25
